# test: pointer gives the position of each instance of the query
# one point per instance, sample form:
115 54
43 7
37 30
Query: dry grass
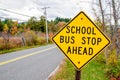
12 42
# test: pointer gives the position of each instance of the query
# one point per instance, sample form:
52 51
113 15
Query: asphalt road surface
30 64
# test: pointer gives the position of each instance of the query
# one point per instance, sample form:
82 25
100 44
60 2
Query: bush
13 42
50 37
30 37
1 43
112 59
113 66
101 58
40 40
113 71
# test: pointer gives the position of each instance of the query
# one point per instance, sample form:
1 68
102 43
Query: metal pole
78 75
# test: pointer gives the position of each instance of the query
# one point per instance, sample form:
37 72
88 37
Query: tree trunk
103 26
116 27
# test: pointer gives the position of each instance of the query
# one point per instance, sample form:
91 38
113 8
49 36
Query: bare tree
107 12
115 14
116 8
101 19
102 13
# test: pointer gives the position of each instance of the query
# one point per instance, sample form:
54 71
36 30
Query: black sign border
95 26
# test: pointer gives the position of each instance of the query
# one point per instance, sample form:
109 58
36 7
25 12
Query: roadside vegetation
20 48
16 36
106 66
94 70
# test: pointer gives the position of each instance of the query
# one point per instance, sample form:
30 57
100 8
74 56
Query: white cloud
60 8
13 4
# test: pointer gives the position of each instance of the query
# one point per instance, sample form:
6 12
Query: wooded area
32 32
107 18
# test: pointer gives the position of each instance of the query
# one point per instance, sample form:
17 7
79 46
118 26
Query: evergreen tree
1 26
58 19
42 24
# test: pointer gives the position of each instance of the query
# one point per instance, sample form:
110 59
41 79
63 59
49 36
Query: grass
94 70
65 72
17 49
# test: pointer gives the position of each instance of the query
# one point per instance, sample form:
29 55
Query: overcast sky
60 8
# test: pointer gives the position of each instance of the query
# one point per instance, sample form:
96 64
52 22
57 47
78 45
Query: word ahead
80 40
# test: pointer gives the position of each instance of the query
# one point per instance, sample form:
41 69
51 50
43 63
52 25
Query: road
30 64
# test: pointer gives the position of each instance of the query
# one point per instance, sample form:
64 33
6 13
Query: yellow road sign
80 40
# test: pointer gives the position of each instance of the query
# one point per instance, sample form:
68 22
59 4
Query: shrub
40 40
30 37
112 59
50 37
113 70
13 42
113 66
101 58
1 43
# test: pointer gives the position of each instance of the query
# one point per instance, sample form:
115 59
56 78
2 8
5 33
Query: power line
14 12
11 18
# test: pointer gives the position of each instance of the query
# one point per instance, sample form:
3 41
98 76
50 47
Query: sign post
78 75
80 41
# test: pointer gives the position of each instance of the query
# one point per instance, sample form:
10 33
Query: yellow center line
25 56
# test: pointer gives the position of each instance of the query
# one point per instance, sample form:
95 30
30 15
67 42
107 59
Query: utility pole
45 13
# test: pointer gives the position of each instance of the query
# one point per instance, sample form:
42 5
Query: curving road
30 64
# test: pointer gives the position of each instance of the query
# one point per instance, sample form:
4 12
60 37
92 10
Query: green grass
21 48
94 70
